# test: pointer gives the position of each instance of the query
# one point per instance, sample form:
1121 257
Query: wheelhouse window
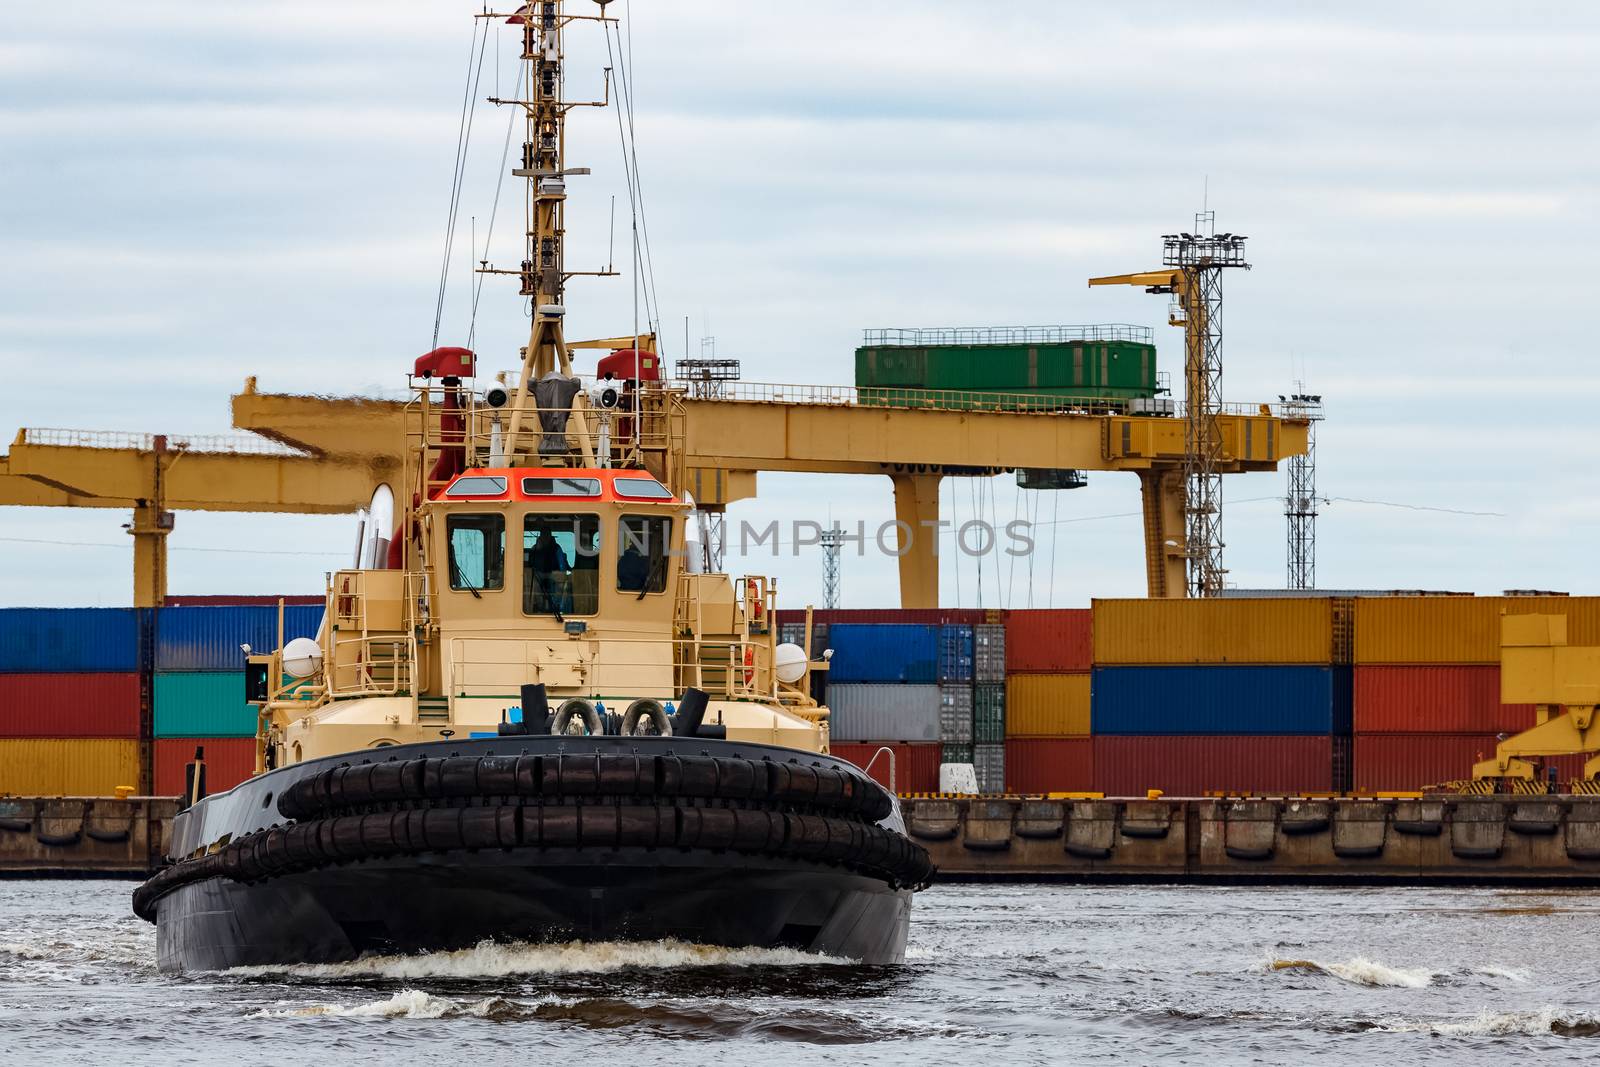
643 549
478 485
561 564
561 486
641 489
477 551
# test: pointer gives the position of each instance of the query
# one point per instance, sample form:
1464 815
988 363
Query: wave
1547 1020
489 959
406 1004
1361 971
698 1020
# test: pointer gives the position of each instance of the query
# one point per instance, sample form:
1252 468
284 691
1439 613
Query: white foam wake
491 960
406 1004
1544 1021
1361 971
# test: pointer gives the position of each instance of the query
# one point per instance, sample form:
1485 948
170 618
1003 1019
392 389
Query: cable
458 171
654 299
1412 507
500 184
172 548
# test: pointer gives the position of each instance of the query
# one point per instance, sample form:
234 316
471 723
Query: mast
543 274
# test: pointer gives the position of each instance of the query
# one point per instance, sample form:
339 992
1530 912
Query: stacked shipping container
1199 696
1048 659
199 686
1427 684
908 680
70 700
95 698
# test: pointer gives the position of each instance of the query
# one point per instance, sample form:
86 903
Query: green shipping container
203 704
890 374
955 754
989 713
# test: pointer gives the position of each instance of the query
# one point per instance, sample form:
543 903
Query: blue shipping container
55 640
1139 701
208 638
892 652
955 652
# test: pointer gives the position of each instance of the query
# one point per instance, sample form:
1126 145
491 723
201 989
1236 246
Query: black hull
413 905
278 904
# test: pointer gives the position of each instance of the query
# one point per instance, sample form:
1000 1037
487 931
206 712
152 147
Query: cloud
262 189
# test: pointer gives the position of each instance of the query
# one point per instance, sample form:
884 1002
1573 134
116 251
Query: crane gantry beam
155 476
350 444
804 430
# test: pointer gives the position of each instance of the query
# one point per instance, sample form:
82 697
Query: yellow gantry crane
1562 681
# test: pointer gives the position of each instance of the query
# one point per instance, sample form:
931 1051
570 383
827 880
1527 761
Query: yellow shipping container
1458 629
1226 630
1047 705
67 767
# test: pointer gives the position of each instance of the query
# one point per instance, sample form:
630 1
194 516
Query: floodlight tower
832 541
1300 500
1194 264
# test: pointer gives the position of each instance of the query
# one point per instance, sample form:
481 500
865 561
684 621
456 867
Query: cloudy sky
192 194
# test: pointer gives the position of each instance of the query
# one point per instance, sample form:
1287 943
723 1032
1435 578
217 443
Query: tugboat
532 711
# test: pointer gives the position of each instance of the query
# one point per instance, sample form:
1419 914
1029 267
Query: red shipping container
1416 761
229 761
69 705
1446 699
1192 766
1050 765
916 767
1054 640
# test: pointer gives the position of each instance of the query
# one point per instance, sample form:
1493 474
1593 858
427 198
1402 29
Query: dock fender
1091 829
1478 829
1583 830
988 825
60 823
1250 829
933 820
1420 818
1305 817
1360 829
1146 819
1536 818
1040 820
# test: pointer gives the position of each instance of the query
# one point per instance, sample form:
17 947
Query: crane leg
150 528
916 502
1165 558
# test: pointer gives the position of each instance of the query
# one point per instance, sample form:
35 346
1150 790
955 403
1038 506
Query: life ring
749 665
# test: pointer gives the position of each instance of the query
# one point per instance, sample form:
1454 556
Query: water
997 975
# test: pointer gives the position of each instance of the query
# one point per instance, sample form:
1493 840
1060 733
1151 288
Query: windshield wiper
462 583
